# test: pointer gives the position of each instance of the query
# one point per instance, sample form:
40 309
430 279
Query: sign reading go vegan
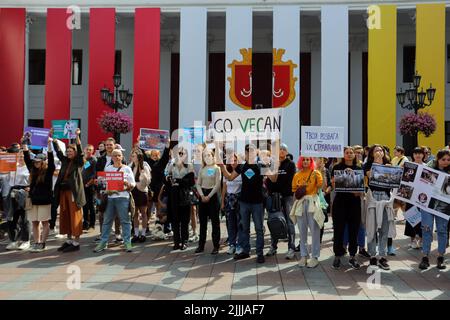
322 142
252 124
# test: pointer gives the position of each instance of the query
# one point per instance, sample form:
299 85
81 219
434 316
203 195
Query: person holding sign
380 212
442 163
19 182
346 210
142 176
118 204
306 211
208 187
69 192
41 194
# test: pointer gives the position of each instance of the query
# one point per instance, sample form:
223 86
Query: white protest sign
250 124
413 216
322 141
425 188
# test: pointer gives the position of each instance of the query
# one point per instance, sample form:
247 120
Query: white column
164 90
286 35
193 59
356 114
334 73
238 35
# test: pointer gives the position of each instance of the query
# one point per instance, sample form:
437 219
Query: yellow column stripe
430 62
382 73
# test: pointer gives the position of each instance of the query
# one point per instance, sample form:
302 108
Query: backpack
276 221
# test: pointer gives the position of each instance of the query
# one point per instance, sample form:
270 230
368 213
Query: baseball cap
40 157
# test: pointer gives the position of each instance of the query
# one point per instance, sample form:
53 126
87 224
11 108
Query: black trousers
88 208
54 212
180 224
346 212
19 227
209 210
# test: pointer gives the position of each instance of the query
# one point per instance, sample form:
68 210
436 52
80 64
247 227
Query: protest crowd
173 193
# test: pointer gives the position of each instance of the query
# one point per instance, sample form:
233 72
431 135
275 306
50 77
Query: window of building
36 66
118 62
77 67
409 63
36 123
447 132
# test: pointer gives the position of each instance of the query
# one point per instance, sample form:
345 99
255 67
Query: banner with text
8 163
425 188
35 138
261 124
319 141
110 181
153 139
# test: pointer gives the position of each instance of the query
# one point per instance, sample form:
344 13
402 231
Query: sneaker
64 246
100 247
147 231
119 239
440 263
337 263
176 247
12 246
354 263
183 247
142 238
134 239
37 247
413 245
297 248
215 251
24 245
373 262
363 253
302 263
260 259
72 248
391 251
128 247
419 244
382 263
313 263
194 238
272 251
290 254
231 250
241 256
424 264
52 232
85 226
98 238
199 250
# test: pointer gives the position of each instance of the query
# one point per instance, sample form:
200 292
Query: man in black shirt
88 175
250 202
282 183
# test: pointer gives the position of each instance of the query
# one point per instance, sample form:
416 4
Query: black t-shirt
251 183
286 173
367 167
344 196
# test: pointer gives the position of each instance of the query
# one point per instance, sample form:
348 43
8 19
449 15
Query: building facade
339 63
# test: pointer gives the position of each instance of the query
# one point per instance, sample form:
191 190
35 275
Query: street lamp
119 98
415 98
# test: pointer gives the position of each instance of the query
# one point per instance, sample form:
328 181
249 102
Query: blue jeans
120 207
257 212
361 236
427 232
233 218
287 203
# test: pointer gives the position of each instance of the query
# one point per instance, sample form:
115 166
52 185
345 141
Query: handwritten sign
322 141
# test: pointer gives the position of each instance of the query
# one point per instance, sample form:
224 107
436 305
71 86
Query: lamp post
415 98
119 99
416 101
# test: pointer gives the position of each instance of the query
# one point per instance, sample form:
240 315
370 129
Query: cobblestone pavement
153 271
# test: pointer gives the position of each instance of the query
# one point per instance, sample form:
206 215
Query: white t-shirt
234 186
127 176
21 177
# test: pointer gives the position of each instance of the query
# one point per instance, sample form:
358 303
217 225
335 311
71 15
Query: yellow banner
382 66
430 63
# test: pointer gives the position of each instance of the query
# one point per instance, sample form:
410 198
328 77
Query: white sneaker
231 250
290 254
12 246
413 245
194 238
313 263
302 263
419 244
272 251
25 245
